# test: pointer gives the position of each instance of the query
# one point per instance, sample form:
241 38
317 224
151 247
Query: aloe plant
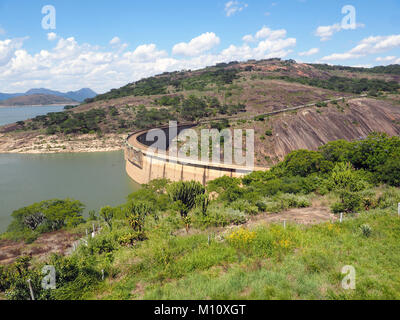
136 212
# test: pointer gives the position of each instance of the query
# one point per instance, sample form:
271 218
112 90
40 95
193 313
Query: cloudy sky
107 44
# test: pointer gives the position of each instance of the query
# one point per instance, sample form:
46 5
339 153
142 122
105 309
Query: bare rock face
312 128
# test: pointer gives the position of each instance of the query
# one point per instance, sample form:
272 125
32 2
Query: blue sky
105 44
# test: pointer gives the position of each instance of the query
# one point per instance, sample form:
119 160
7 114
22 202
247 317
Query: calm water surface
13 114
96 179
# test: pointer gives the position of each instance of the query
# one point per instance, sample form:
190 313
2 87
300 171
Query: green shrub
219 217
101 244
389 172
344 177
45 216
273 206
338 207
75 276
244 206
130 238
262 207
227 188
269 133
303 163
294 201
14 281
350 202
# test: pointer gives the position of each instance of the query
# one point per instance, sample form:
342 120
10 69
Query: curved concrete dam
145 163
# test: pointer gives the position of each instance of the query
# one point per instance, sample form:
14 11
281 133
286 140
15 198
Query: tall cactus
186 194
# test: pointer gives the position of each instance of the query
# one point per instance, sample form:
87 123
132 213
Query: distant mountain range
78 96
37 100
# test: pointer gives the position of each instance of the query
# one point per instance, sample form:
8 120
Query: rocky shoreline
25 143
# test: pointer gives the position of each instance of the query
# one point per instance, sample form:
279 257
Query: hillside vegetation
183 240
36 100
241 95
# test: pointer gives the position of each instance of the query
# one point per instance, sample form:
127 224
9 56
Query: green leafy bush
303 163
294 201
219 217
244 206
349 202
45 216
389 172
226 187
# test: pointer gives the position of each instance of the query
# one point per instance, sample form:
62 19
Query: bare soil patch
55 242
305 216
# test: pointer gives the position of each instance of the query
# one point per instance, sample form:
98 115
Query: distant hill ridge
37 100
78 96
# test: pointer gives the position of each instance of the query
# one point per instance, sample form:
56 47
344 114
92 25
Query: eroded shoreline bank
25 143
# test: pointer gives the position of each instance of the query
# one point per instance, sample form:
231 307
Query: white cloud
2 31
8 48
70 65
341 56
389 59
198 45
326 32
248 38
362 66
386 59
51 36
367 46
267 33
115 41
309 52
271 44
145 53
233 7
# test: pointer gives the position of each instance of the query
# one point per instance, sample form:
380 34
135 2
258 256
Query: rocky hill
253 94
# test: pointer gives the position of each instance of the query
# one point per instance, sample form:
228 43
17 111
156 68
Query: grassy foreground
185 241
266 262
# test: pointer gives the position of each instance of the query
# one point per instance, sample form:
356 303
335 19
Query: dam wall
143 164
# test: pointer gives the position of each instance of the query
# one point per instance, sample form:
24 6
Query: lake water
13 114
96 179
